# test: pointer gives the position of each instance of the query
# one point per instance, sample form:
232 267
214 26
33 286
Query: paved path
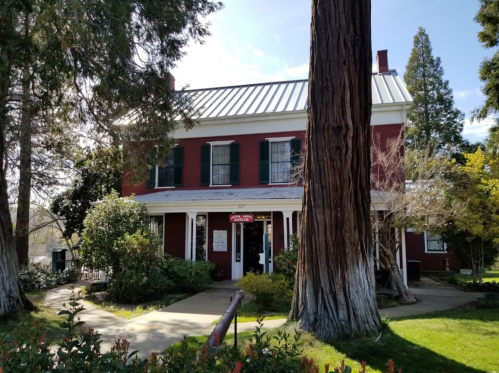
193 316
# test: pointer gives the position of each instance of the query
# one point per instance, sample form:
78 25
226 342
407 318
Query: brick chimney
382 60
172 82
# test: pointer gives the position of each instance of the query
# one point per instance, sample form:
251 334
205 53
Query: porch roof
290 196
225 194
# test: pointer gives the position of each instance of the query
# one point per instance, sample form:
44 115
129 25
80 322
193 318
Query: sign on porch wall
219 240
247 218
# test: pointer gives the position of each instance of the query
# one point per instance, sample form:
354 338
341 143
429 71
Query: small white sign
219 240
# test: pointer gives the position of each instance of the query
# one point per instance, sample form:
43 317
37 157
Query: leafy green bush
138 277
490 301
33 280
489 287
285 262
107 223
270 293
188 277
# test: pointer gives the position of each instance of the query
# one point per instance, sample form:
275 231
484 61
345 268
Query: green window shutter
264 162
296 150
234 163
151 175
178 164
205 164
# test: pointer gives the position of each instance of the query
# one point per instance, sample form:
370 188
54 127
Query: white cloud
463 95
477 131
258 52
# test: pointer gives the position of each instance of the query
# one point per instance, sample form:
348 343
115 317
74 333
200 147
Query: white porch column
287 219
376 238
190 250
404 254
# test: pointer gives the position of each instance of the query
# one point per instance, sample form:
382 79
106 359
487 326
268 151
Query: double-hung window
434 242
280 159
170 173
220 163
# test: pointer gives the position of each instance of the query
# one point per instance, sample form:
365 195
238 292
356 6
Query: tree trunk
389 262
334 289
25 176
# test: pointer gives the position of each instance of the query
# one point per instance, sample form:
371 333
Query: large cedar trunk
334 290
10 295
25 176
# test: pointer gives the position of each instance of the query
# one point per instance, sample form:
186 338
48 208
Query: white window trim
426 245
163 233
271 140
206 232
278 139
227 142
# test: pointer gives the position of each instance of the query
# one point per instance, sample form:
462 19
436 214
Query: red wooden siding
175 234
223 259
277 232
431 262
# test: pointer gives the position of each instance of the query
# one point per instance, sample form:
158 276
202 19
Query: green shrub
107 223
490 301
187 276
34 280
285 262
270 293
139 277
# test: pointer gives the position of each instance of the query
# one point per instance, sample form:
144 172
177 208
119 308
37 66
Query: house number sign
219 240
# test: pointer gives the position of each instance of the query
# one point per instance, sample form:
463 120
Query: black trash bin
414 270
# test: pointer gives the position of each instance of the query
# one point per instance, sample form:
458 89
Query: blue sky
261 41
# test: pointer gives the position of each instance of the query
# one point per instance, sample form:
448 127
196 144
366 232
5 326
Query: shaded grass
465 340
47 318
128 311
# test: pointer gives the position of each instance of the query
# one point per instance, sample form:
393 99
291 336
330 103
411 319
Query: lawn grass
47 317
456 341
130 311
488 276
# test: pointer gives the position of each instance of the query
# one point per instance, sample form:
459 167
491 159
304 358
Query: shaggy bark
25 176
334 289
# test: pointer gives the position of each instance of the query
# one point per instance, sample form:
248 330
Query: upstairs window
171 173
220 163
280 159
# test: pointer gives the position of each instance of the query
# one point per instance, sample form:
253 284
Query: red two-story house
231 178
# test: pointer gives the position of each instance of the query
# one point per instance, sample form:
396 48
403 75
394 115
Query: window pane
434 242
201 237
280 162
165 174
221 165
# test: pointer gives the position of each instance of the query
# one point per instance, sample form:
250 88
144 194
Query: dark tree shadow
410 357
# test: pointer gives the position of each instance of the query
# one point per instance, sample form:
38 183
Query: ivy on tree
432 121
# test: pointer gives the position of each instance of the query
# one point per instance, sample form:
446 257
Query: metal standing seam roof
279 97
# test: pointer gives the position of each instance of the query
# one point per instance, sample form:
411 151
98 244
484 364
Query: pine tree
433 122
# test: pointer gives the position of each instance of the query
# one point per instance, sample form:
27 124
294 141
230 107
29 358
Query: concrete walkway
193 316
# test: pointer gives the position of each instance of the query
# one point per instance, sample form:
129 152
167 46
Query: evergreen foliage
108 223
98 173
433 122
488 18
